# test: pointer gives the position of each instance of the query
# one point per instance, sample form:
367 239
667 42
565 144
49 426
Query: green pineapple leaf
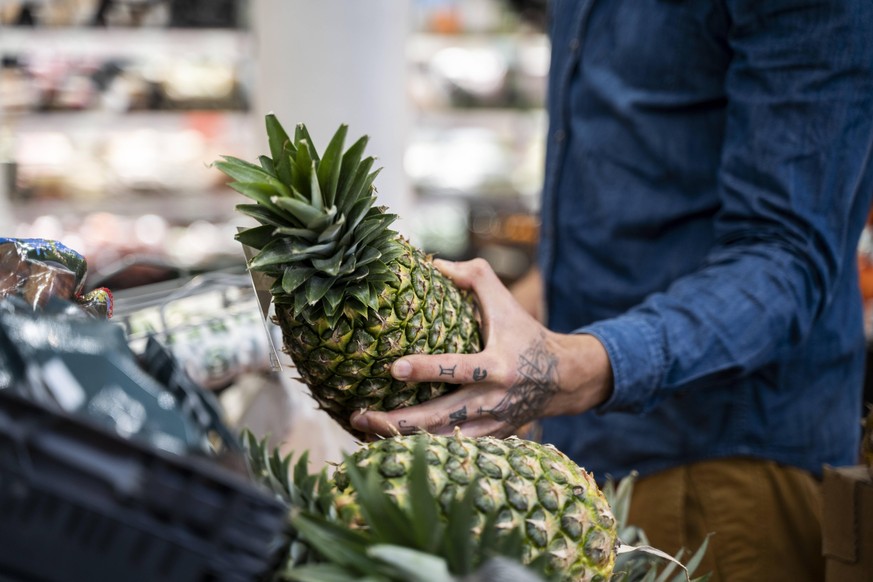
267 165
334 298
331 265
243 171
423 505
303 166
294 277
413 565
330 233
257 237
460 519
279 145
302 211
349 167
357 184
260 192
301 135
336 543
330 164
318 288
259 213
276 252
298 233
323 573
316 197
385 520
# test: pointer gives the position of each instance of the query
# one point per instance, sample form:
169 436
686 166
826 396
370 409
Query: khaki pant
766 518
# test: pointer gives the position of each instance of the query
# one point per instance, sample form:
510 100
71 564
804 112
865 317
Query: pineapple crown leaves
320 236
298 488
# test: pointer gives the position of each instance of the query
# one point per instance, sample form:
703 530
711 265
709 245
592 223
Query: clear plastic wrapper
36 270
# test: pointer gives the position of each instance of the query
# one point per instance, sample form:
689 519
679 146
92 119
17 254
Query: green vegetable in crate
457 498
351 295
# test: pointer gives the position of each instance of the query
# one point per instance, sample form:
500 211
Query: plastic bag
36 270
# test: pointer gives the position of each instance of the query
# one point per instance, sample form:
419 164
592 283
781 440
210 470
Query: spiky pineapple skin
531 486
347 366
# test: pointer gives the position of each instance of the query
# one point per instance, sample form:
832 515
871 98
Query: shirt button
574 45
559 136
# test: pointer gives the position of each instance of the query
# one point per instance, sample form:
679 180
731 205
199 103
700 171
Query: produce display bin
80 503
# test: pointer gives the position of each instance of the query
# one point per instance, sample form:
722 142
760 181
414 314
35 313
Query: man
708 174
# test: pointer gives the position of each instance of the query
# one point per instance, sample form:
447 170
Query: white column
327 62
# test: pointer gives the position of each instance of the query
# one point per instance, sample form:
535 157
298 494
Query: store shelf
176 206
138 43
121 121
124 120
476 151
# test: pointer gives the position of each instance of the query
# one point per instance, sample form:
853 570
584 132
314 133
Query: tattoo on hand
537 383
479 374
405 428
448 371
458 416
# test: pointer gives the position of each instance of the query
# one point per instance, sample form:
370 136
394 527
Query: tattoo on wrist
536 385
446 371
479 374
458 416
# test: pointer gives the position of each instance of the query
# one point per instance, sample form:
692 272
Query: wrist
585 378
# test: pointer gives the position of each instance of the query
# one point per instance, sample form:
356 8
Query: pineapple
350 294
446 506
521 485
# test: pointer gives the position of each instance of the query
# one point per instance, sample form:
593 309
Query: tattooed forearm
458 416
537 383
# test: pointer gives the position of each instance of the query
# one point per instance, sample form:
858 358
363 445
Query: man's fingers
456 408
495 301
378 423
482 426
451 368
472 274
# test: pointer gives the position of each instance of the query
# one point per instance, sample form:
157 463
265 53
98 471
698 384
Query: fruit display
350 294
450 495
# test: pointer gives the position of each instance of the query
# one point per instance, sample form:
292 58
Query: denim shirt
708 175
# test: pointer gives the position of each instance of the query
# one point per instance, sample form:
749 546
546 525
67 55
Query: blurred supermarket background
112 110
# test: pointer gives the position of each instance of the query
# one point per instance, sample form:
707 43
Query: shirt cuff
637 354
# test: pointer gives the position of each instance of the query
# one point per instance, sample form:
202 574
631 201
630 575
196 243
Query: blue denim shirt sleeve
798 133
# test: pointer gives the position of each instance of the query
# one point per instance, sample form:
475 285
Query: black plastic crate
79 503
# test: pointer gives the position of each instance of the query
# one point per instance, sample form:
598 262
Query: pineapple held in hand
351 295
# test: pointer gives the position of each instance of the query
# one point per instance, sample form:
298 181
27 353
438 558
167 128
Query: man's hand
524 373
